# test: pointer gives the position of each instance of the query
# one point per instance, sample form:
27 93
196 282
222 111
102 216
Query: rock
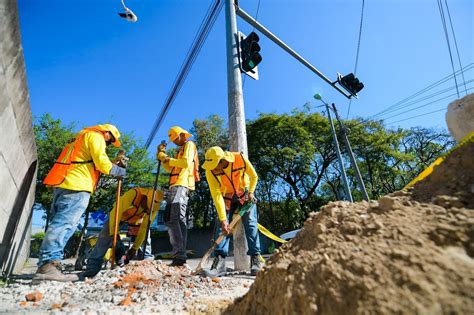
34 296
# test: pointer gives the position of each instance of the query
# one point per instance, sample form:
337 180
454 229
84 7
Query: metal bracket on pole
246 17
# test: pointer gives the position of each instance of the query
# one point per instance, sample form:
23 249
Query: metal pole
237 132
246 17
339 157
351 155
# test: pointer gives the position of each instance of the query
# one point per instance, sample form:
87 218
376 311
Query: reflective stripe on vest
175 171
232 186
65 162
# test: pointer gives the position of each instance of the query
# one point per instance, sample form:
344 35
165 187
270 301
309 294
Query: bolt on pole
237 131
339 157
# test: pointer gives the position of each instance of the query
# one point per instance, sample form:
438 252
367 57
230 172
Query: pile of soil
409 252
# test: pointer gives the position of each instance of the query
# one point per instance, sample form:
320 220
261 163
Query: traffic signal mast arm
246 17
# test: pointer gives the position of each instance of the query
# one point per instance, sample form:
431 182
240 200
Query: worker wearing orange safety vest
135 207
232 181
73 178
184 173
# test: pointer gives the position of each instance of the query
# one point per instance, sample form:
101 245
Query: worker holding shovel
134 209
232 181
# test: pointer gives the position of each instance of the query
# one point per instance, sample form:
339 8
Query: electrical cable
455 44
424 114
429 87
443 21
357 53
425 98
199 39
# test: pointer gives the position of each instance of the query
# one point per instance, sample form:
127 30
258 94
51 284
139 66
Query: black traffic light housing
351 83
249 54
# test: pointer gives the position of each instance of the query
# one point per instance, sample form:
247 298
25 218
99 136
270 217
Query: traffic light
249 54
351 83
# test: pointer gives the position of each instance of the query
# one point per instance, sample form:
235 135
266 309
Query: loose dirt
410 252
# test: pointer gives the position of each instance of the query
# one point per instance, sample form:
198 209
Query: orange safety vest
232 185
175 171
66 161
131 215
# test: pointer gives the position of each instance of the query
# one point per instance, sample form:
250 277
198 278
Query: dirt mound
394 255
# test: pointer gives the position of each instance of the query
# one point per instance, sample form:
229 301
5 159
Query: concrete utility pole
339 157
237 131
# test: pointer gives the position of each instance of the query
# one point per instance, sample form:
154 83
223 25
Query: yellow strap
427 171
269 234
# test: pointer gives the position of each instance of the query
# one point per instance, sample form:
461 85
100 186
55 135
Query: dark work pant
175 219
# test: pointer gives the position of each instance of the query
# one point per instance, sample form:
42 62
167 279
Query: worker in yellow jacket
135 208
73 178
232 181
184 173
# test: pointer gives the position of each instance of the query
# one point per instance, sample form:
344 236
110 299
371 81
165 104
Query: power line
424 105
199 39
357 53
455 44
424 114
425 98
443 21
429 87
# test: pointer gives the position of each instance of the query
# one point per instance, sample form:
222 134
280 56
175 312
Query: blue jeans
66 209
249 220
104 242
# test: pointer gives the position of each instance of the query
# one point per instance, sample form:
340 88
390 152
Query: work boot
51 271
255 264
217 268
178 262
90 272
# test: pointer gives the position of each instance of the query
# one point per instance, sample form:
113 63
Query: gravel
140 287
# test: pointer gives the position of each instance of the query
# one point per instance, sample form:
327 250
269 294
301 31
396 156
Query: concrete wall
18 158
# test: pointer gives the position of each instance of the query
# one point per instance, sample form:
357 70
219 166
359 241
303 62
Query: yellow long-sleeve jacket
79 177
182 167
218 192
133 212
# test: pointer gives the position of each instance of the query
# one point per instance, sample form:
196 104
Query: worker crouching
134 209
232 181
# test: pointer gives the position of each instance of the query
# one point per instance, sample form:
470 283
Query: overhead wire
357 53
421 115
443 21
426 89
424 99
199 39
455 43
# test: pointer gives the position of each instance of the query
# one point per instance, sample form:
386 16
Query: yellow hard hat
113 130
158 198
175 131
214 155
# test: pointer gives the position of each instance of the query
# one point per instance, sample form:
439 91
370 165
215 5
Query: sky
87 65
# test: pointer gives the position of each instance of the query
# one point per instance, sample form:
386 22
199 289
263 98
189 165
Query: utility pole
339 157
351 155
237 131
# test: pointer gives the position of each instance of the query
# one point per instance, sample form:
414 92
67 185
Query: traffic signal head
249 48
351 83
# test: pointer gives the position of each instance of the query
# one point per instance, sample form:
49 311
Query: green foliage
38 236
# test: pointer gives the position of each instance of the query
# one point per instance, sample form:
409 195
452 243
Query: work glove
161 156
117 171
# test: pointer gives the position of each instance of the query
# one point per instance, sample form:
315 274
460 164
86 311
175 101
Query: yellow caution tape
427 171
269 234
